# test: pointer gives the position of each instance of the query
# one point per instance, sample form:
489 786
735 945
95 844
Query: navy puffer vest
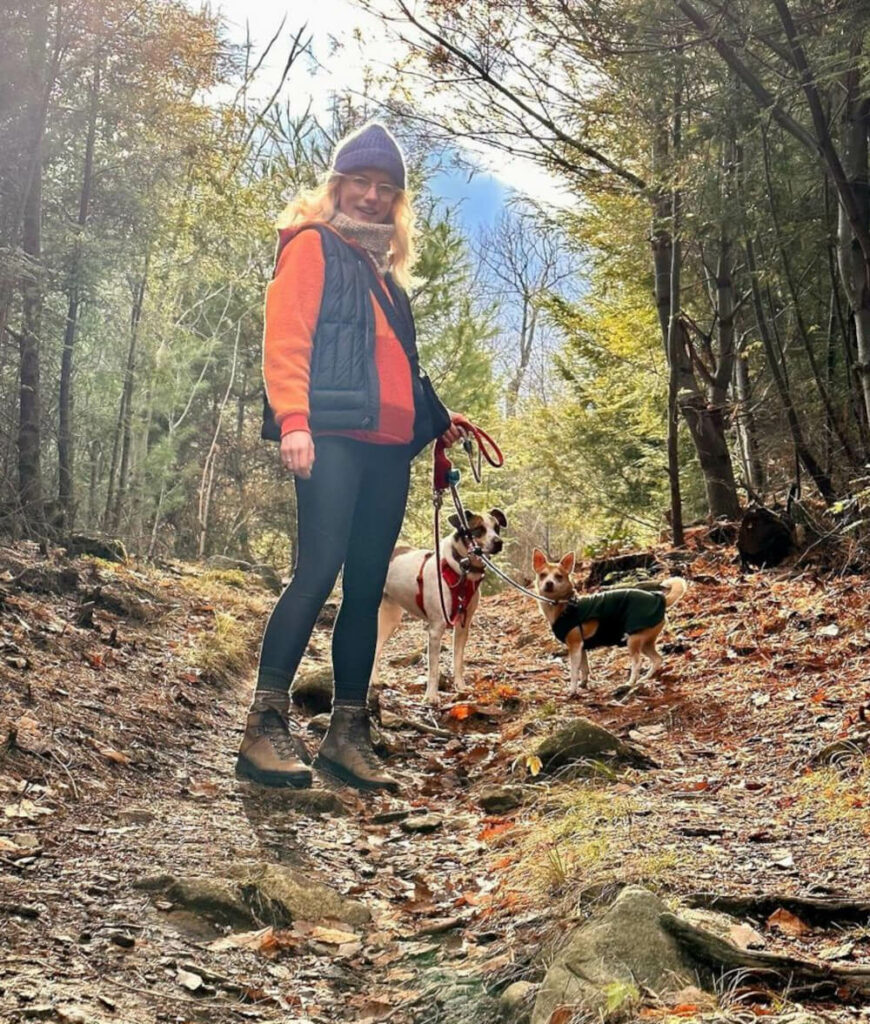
344 388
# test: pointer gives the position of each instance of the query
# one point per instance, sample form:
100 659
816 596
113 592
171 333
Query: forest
687 334
667 331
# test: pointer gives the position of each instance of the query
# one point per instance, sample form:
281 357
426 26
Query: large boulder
604 963
583 740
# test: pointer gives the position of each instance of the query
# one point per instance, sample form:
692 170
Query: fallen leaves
26 809
782 859
29 736
192 982
784 921
492 831
332 936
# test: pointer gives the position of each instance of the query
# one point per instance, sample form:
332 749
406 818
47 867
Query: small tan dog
605 619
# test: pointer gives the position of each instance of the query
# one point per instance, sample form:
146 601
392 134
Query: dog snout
497 545
548 586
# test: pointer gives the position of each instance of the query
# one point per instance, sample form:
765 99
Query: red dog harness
462 590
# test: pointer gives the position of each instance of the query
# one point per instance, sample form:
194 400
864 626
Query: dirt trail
118 769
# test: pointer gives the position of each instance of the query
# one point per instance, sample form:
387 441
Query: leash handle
443 473
486 446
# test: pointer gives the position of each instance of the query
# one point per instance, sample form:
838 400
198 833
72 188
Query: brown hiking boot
346 750
269 753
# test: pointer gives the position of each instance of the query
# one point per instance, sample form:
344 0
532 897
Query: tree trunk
95 452
527 338
66 495
710 427
125 414
674 350
207 481
832 421
29 470
844 325
746 429
665 259
808 460
43 71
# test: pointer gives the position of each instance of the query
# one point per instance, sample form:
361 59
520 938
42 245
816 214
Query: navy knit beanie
372 146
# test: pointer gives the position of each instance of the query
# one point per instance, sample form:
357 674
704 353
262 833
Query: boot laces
362 740
277 730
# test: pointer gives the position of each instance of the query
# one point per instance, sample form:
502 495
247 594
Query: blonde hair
321 202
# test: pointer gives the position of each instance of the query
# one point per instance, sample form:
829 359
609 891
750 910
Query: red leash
442 468
445 477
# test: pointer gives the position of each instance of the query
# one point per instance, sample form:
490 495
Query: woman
340 364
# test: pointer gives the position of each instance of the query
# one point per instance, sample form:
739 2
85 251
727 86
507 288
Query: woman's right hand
297 452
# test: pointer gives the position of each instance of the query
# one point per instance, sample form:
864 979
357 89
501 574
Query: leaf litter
465 908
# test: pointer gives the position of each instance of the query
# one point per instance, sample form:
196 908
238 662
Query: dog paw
434 701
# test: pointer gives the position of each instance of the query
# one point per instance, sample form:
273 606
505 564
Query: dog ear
454 521
566 564
539 560
499 517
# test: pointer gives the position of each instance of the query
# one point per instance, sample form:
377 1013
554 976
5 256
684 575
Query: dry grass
226 652
839 794
231 591
580 835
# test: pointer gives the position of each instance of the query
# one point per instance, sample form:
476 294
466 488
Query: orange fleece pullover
293 300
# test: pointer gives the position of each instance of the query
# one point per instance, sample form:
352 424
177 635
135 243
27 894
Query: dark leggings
349 514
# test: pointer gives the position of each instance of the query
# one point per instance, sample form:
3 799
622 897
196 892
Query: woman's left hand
453 432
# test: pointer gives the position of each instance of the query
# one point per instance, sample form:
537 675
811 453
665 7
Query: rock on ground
280 895
515 1003
584 740
604 962
259 894
500 799
313 690
110 549
266 573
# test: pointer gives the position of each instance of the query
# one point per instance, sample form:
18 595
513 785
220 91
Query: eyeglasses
362 184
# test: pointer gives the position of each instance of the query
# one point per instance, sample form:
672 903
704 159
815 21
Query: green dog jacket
619 613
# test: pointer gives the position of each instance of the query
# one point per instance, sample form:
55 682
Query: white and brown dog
412 587
605 619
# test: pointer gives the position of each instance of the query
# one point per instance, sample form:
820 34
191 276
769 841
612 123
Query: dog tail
675 587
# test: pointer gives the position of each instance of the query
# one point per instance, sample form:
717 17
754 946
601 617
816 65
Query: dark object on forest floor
602 569
108 548
766 536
